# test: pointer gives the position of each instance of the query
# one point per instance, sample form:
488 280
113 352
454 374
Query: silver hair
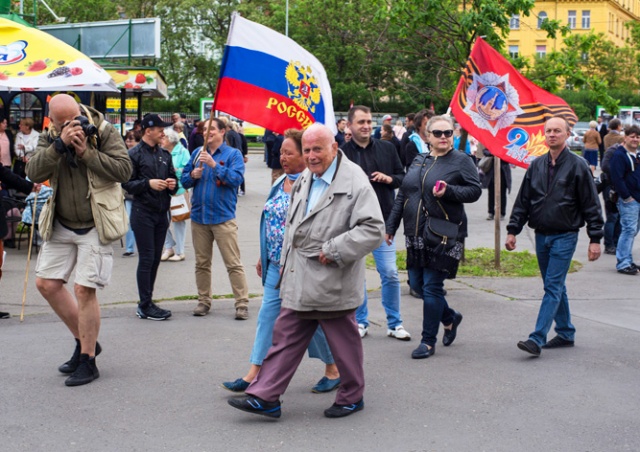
172 135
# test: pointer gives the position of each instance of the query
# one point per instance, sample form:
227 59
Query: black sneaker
630 270
86 372
70 366
530 347
256 405
558 342
610 250
336 410
4 315
153 312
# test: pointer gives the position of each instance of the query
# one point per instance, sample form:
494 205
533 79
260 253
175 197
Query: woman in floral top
272 226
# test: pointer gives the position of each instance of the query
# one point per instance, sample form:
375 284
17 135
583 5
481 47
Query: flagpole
497 208
286 20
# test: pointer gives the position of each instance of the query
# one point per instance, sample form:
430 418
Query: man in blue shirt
215 171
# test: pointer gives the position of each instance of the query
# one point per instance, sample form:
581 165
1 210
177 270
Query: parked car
575 141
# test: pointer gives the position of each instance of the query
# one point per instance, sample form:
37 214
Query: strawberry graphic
141 78
123 72
4 76
38 66
137 87
128 85
76 71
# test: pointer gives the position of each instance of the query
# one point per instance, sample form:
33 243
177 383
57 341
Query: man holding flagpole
556 198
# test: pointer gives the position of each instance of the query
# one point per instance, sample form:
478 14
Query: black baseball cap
153 120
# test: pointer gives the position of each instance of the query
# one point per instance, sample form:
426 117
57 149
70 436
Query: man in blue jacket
625 176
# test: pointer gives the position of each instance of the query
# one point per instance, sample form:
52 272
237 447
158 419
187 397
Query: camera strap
94 139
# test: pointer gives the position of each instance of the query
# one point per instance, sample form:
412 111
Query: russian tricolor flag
269 80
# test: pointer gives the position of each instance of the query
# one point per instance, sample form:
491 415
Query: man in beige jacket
334 221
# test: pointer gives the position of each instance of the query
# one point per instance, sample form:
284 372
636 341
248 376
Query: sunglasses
439 133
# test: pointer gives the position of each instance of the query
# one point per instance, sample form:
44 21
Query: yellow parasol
31 59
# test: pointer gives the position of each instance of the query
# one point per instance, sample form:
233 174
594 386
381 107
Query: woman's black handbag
439 234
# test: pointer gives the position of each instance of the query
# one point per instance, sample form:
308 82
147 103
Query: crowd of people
335 198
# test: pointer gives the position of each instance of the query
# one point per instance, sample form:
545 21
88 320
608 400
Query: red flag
502 109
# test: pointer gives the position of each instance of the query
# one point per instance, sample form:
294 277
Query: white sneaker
399 333
166 254
363 330
176 258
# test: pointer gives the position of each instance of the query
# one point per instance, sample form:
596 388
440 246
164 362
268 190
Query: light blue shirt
320 185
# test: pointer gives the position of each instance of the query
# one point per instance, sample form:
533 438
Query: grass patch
480 262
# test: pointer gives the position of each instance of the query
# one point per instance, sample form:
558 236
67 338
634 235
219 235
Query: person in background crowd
420 197
272 227
245 155
612 222
387 135
174 246
614 136
65 157
410 129
333 222
556 198
386 119
10 180
232 138
341 124
196 139
178 127
417 142
273 159
347 135
625 176
457 136
602 130
592 142
131 139
505 186
6 144
152 183
26 143
215 172
399 130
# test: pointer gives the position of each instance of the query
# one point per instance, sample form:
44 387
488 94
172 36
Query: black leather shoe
70 366
558 342
530 347
86 372
423 351
450 335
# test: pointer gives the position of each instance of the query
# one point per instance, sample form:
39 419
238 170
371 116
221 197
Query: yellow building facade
605 16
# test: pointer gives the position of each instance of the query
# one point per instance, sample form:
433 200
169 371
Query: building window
514 23
586 20
572 19
514 51
542 17
541 51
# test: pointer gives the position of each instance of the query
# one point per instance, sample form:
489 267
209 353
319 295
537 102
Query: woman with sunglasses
437 184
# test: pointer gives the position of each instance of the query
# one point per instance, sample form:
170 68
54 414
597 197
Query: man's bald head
319 148
63 108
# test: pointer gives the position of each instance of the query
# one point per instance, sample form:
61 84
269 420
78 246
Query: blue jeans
629 212
130 239
435 309
269 311
554 253
385 257
180 231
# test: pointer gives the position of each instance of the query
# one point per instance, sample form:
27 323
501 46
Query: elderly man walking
334 221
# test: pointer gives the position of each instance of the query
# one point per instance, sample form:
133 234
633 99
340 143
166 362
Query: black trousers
503 196
150 230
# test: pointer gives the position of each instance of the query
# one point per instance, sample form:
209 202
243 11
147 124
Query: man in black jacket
557 197
380 162
152 183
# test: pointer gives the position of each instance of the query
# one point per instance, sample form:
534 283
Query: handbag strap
422 191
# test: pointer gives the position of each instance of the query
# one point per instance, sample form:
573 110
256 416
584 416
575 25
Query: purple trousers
291 337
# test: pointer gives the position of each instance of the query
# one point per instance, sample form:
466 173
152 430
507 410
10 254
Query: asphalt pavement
159 387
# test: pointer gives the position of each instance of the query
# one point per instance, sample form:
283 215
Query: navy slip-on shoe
326 385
